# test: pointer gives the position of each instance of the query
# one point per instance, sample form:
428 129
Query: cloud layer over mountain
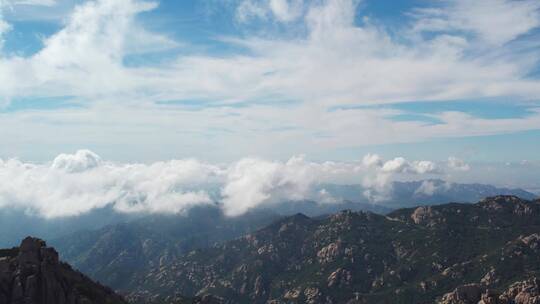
76 183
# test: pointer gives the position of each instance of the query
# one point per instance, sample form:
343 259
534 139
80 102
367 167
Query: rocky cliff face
412 255
33 274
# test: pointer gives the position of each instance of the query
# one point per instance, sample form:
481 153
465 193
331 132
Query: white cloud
85 58
513 18
424 167
286 10
400 165
455 163
380 175
397 164
292 88
254 182
336 62
82 160
427 188
431 187
77 183
4 25
372 160
249 9
251 182
281 10
34 2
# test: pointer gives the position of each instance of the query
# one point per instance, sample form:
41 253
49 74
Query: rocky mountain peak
33 274
33 251
510 204
503 201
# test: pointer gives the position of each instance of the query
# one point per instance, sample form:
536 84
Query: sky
220 82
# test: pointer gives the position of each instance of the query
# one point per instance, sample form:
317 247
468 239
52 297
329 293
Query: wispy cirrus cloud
298 91
280 10
476 18
337 62
34 2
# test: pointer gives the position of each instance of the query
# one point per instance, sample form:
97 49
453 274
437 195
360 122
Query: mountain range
424 192
454 253
416 255
116 254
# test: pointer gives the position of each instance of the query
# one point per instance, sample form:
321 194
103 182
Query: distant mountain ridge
16 224
416 255
424 192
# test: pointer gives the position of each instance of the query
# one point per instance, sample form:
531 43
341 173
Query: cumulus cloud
85 58
427 188
77 183
457 164
380 174
397 164
82 160
372 160
400 165
251 182
255 182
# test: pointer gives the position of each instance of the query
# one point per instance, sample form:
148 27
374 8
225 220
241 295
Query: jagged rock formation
524 292
411 255
32 274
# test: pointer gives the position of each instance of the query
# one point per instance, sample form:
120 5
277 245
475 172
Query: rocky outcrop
33 274
523 292
465 294
425 215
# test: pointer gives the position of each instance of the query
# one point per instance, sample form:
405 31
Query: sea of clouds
73 184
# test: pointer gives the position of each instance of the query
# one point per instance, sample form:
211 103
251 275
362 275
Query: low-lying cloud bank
77 183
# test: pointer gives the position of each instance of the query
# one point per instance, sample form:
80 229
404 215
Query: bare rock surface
33 274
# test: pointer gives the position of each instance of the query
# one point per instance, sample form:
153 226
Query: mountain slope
115 254
410 256
32 274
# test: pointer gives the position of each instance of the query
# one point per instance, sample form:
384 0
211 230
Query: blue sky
137 80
